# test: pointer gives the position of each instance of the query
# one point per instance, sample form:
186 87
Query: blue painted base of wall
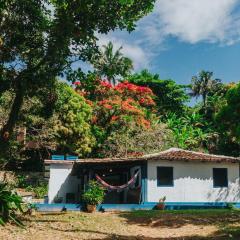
57 207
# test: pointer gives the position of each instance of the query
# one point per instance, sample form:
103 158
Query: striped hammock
117 188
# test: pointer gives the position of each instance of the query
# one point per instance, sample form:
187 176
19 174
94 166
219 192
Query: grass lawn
151 225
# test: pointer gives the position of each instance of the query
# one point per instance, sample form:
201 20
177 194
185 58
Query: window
220 178
164 176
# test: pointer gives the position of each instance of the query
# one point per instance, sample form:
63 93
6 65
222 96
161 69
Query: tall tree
40 39
112 64
229 115
169 96
73 124
203 84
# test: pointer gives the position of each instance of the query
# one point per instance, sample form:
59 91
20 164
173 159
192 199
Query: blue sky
181 37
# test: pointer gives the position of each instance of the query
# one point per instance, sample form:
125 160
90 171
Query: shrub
21 181
94 194
10 204
39 190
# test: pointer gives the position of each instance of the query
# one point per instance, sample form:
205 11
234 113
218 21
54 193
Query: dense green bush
94 194
39 190
10 205
73 126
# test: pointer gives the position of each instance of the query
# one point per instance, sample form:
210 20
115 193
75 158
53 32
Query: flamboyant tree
118 108
125 101
40 39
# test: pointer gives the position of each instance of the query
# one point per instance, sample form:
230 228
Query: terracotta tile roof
177 154
172 154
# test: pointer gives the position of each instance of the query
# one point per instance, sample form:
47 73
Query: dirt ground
139 225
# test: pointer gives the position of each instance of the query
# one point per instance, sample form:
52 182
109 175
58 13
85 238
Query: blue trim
144 183
57 157
71 157
57 207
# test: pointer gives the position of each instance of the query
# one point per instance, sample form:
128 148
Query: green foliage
204 85
170 97
94 194
136 141
188 130
112 64
229 115
21 181
73 129
230 206
35 125
39 190
10 205
46 42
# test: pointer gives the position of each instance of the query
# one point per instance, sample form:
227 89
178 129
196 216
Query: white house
179 175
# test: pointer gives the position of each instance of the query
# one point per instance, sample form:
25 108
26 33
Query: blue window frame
220 177
164 176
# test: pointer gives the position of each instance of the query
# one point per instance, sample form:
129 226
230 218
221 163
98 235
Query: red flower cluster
126 86
114 118
144 122
106 103
106 84
128 106
147 101
114 104
77 83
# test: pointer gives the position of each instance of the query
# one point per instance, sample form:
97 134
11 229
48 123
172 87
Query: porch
72 180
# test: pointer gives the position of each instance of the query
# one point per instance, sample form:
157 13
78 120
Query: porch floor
56 207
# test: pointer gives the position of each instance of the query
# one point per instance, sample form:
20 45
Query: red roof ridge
171 154
179 150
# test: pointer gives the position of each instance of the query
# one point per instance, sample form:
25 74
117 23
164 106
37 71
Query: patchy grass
137 225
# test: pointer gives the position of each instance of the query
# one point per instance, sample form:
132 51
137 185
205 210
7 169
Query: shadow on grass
233 233
176 219
225 220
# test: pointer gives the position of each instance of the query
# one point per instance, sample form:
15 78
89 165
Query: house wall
193 182
61 182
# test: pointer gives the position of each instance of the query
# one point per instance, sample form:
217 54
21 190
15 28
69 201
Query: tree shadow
179 219
233 234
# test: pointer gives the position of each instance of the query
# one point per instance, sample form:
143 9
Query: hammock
117 188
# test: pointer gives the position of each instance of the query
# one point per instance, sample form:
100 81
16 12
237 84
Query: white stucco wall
61 182
193 182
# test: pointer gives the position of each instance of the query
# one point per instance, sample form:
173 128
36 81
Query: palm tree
112 64
203 85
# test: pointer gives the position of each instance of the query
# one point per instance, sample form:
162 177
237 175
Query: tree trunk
7 129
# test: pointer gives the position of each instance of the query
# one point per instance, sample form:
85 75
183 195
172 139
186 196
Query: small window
220 178
164 176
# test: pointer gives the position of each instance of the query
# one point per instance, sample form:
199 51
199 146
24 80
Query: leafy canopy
229 115
72 128
204 85
169 96
112 64
40 39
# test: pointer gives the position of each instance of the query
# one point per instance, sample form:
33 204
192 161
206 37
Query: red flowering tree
116 108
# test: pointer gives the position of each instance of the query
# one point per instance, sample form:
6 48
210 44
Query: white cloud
192 21
134 51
